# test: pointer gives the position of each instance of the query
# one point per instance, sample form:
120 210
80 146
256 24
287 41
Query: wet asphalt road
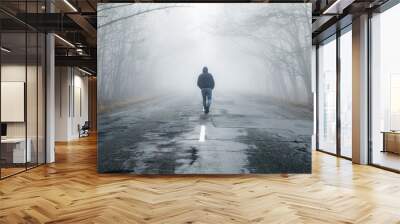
242 134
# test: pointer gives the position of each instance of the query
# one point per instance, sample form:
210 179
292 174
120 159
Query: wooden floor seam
71 191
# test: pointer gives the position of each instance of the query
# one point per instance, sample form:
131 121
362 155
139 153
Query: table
13 150
391 141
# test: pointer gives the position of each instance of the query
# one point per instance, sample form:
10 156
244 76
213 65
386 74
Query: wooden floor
5 172
70 191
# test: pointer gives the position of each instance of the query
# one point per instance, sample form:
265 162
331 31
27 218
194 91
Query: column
360 90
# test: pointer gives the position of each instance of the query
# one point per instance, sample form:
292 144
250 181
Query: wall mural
204 88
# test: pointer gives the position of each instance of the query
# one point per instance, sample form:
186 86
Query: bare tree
283 32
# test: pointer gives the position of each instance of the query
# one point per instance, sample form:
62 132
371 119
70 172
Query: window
385 89
346 93
327 96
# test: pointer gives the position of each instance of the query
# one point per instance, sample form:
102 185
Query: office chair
84 130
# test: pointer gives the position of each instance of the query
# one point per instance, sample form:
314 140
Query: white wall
34 125
70 83
62 81
16 73
79 117
9 73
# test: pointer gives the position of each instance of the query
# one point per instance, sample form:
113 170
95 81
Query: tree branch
136 14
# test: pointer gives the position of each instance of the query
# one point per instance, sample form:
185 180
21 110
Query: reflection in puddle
194 155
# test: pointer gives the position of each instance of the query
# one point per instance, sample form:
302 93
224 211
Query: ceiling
75 22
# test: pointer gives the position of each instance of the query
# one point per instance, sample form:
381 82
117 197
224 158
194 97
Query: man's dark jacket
205 80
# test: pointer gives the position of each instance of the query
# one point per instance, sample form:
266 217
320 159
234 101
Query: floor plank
71 191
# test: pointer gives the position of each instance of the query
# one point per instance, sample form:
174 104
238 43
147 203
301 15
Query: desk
391 141
15 148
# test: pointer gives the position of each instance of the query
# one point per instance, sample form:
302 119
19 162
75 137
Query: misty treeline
283 36
150 49
123 53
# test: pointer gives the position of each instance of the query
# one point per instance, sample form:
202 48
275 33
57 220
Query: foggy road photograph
204 88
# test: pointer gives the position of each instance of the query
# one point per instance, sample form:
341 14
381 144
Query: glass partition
327 96
14 151
22 88
31 99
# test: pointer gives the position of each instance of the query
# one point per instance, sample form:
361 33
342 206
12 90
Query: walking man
206 83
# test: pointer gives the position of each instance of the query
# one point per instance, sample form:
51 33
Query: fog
148 50
152 119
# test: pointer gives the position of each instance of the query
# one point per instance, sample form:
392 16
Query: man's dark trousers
207 94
